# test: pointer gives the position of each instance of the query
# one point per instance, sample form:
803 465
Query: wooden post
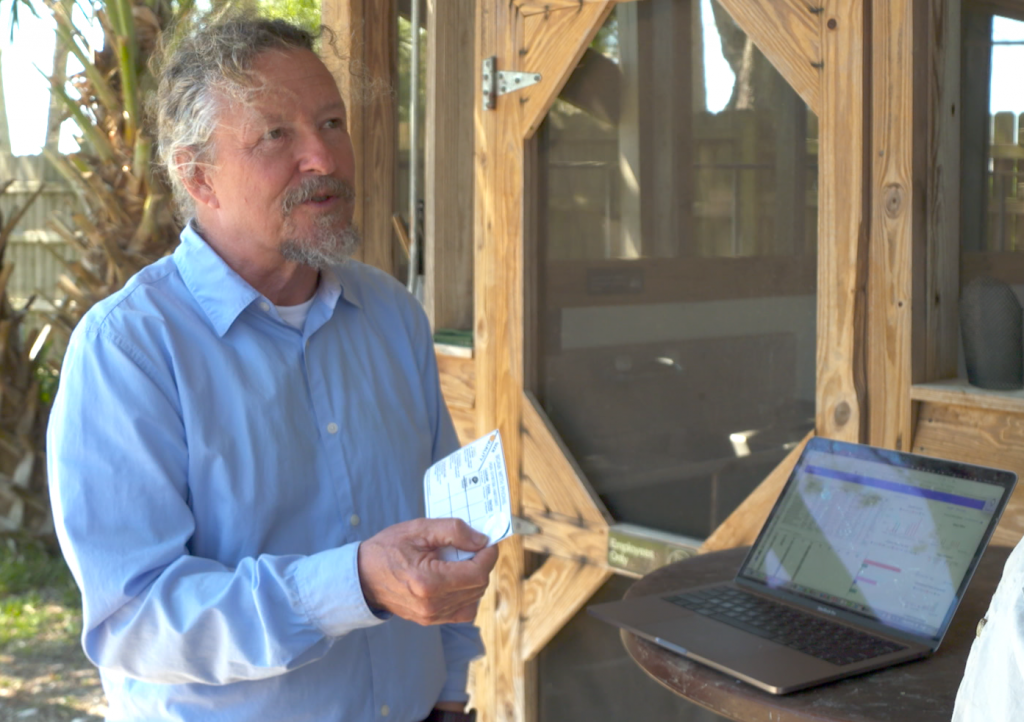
366 37
898 134
452 72
842 221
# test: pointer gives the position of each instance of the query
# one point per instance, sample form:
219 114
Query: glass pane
676 237
992 205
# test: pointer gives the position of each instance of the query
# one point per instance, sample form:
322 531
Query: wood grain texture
366 38
742 526
896 270
543 7
567 537
551 479
551 596
458 380
978 436
789 35
842 224
498 335
552 43
464 421
452 69
958 392
942 231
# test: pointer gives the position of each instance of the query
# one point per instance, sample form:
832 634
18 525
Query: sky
27 96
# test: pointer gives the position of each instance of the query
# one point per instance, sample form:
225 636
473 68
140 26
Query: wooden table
921 691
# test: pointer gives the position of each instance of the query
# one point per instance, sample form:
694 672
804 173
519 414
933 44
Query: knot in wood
893 200
842 413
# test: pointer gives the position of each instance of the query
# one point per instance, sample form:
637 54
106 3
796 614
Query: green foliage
38 597
304 13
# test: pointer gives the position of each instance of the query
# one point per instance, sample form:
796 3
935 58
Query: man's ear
197 177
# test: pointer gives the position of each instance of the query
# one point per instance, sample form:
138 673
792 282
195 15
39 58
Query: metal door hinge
497 83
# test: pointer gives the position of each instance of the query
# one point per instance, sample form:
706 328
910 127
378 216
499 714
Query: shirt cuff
328 588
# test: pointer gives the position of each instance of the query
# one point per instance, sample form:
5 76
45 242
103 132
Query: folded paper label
471 484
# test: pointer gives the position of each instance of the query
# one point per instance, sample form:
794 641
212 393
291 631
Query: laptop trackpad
739 652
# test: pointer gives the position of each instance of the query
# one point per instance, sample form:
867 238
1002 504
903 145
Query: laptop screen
886 535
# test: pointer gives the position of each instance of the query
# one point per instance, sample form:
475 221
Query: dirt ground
49 680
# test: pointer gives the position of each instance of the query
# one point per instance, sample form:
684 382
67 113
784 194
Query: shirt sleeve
118 468
462 642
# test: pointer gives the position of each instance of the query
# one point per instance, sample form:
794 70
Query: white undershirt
295 315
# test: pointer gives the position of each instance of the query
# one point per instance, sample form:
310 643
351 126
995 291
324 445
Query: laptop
860 565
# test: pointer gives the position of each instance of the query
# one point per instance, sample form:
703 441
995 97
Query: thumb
458 534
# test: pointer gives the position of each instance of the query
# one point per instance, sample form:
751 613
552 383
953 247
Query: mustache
310 188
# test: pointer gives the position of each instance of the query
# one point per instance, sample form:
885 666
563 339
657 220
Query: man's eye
273 134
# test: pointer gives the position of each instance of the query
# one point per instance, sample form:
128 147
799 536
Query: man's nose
316 155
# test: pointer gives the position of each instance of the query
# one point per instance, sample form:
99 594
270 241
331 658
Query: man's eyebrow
338 107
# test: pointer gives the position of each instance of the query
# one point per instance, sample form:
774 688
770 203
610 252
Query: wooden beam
895 308
789 33
552 43
452 72
566 537
943 178
502 692
978 436
552 595
366 37
551 479
742 526
842 223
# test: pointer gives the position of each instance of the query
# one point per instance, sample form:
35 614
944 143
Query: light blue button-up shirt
212 472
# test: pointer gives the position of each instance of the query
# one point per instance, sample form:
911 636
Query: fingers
455 533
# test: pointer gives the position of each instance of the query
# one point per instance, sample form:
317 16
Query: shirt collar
223 294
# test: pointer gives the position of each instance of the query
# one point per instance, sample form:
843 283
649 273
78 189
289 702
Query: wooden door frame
531 35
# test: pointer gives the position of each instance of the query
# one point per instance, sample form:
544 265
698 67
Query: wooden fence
32 248
1003 222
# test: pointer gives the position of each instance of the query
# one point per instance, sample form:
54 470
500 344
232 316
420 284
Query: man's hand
401 572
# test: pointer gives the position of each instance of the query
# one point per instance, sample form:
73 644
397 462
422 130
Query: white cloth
992 689
295 316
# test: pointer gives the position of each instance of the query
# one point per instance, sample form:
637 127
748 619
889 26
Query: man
237 448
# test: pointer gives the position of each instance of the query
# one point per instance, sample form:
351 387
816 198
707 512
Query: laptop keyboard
828 641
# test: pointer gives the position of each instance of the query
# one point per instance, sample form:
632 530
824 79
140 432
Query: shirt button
354 520
981 625
384 710
265 306
332 428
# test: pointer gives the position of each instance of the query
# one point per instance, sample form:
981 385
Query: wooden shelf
957 392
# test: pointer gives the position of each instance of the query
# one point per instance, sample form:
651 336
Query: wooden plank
465 423
552 595
742 526
458 380
366 35
958 392
452 72
943 179
542 7
551 479
789 33
895 311
978 436
842 222
502 694
566 537
552 43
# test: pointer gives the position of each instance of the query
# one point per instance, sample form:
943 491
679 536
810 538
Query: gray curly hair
206 67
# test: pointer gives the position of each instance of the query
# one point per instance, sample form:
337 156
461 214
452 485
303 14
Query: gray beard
328 245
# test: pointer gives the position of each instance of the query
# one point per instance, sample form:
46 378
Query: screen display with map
887 541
